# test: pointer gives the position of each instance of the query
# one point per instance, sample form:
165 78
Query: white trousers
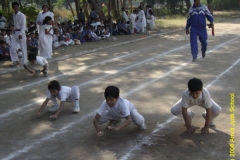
75 95
15 42
36 67
137 118
177 109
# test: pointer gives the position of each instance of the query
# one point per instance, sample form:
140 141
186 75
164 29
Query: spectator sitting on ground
107 32
3 21
4 51
93 24
56 37
99 32
124 28
97 23
66 39
33 44
94 35
8 37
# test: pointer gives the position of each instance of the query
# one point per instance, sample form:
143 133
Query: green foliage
31 13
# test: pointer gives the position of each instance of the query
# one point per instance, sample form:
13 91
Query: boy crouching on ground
64 94
34 62
113 109
196 95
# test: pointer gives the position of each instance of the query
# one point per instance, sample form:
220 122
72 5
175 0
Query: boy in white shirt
64 94
113 109
196 95
33 64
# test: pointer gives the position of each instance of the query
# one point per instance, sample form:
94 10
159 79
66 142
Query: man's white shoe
76 109
53 108
211 123
142 127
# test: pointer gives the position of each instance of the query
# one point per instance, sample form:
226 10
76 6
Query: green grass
179 21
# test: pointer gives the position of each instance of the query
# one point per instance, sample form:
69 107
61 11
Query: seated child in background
106 33
4 51
56 37
64 94
113 109
8 37
93 34
33 44
33 64
99 32
196 95
98 23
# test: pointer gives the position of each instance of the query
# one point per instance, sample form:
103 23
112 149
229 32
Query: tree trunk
50 5
71 8
210 6
77 8
188 3
114 7
130 1
85 7
4 5
98 8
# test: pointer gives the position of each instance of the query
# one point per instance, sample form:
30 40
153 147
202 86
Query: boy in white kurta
64 94
196 95
113 109
141 20
34 63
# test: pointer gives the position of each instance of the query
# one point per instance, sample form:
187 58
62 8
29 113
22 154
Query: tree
210 5
97 7
188 4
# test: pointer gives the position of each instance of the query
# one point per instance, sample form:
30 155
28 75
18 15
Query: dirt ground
152 73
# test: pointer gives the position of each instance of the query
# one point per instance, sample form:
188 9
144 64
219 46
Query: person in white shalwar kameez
47 25
132 21
152 20
41 16
18 40
141 20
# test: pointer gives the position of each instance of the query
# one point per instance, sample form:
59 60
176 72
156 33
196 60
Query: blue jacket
197 16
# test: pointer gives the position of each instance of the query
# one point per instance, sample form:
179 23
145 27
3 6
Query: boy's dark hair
54 85
15 3
32 57
111 91
2 42
47 18
195 85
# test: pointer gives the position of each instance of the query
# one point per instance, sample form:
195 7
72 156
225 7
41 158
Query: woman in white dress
41 16
141 20
152 20
48 30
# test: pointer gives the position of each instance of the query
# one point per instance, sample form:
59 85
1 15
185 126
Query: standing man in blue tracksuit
197 21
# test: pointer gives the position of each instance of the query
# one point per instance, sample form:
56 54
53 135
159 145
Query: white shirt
19 21
63 94
41 16
133 18
204 99
41 61
122 108
124 15
2 24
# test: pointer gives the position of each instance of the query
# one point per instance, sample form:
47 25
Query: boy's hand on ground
114 128
205 131
190 131
53 116
100 133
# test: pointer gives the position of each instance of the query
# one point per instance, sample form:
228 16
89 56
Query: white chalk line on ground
128 154
161 126
91 51
7 91
97 79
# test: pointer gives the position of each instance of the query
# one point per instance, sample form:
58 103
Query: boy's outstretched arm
96 125
58 111
42 107
205 129
124 124
30 71
190 130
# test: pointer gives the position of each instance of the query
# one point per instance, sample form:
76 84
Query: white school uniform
203 101
40 62
122 109
46 42
41 43
124 15
141 21
19 21
66 94
132 22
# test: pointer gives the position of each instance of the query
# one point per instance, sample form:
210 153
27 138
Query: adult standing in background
93 15
3 21
82 17
19 36
124 15
43 50
197 21
141 20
